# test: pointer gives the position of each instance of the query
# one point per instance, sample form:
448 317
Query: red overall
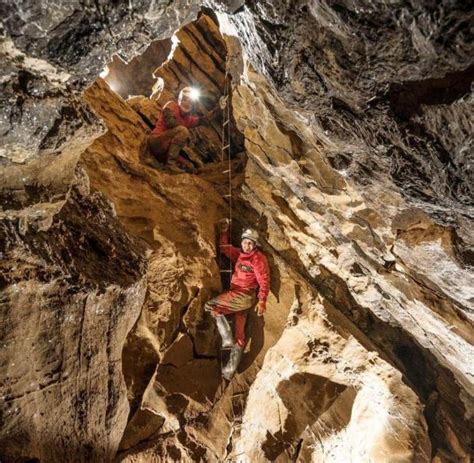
250 273
166 131
186 119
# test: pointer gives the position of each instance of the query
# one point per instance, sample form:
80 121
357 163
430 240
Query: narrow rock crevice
406 98
350 152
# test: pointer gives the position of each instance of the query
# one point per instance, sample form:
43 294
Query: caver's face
247 245
186 104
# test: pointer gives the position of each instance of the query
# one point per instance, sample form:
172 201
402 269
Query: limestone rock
179 228
354 123
299 203
68 302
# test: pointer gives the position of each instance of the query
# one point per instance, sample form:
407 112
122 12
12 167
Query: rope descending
226 145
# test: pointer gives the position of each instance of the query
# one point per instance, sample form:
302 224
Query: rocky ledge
352 157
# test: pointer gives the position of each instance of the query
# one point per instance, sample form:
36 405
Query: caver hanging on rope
249 284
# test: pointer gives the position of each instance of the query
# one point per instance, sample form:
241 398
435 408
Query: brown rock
356 173
68 303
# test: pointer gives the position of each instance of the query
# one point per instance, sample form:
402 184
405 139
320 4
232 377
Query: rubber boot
173 168
173 151
235 355
188 166
225 331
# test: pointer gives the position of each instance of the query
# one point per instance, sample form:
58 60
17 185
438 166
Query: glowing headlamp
194 94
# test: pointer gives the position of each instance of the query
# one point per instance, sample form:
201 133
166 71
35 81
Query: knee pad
182 134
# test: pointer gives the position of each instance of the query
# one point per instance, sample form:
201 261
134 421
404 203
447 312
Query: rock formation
136 76
352 156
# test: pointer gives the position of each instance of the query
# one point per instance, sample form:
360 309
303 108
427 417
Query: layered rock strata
362 200
72 288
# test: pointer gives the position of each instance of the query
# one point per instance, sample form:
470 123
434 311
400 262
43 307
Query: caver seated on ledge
171 132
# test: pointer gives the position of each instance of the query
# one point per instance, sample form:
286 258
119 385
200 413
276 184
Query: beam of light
174 44
195 93
104 72
114 86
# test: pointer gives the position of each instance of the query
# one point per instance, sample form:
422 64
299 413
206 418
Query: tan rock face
365 352
316 401
68 303
176 217
344 241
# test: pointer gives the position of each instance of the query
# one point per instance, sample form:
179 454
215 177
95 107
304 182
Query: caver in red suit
249 284
171 132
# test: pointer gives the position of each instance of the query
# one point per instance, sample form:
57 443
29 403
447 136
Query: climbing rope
225 149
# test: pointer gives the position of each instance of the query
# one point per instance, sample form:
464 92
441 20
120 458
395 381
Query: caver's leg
166 146
225 331
216 307
240 319
235 302
180 138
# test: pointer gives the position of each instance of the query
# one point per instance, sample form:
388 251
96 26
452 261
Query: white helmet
192 93
186 91
250 234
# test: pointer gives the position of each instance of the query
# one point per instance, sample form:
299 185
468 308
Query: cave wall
356 127
360 111
73 280
72 288
354 251
135 77
377 80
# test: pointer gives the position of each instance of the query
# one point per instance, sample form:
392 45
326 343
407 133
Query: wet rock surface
356 123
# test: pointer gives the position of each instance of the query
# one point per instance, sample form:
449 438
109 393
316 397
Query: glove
210 114
261 308
223 102
224 225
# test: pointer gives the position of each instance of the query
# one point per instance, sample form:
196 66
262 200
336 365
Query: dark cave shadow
255 338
